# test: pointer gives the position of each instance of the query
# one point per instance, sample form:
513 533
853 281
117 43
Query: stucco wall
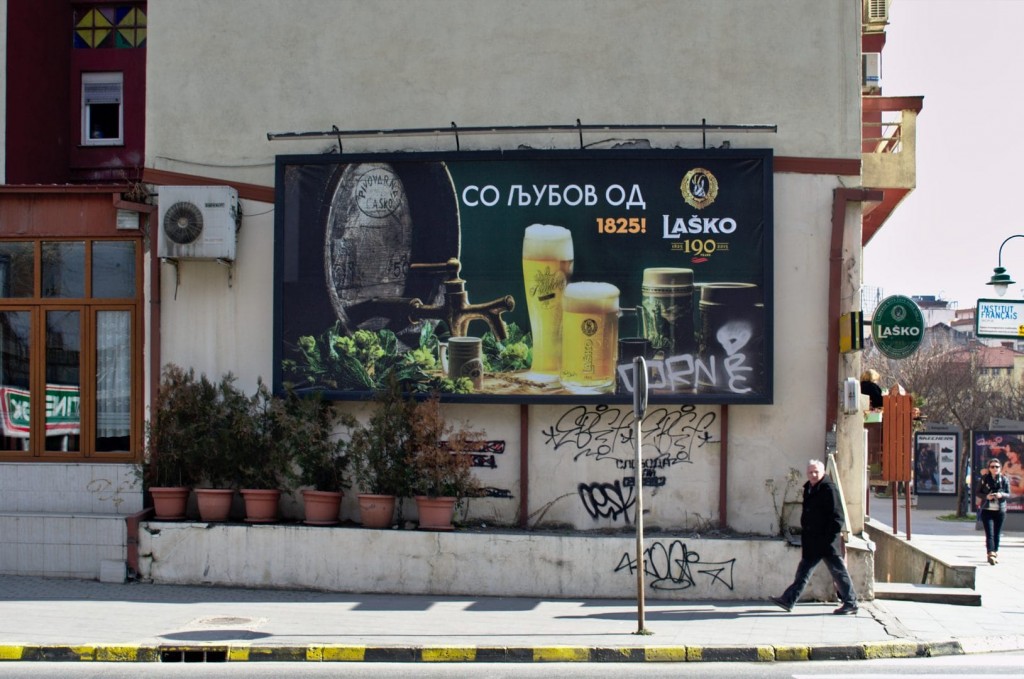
222 75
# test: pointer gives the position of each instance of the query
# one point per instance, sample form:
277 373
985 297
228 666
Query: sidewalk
87 620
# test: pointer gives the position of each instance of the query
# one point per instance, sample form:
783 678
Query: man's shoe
846 609
782 603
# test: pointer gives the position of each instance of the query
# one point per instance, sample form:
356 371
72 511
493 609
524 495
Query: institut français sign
1000 318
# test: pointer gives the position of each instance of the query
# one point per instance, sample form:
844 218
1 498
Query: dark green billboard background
359 237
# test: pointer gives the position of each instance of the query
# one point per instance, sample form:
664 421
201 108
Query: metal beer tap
455 309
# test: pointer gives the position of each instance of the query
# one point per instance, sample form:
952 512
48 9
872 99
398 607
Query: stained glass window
113 26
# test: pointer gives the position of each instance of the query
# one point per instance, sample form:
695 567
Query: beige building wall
222 75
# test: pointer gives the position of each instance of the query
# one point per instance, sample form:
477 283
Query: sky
966 57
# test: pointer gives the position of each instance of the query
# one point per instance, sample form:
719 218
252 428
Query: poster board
382 259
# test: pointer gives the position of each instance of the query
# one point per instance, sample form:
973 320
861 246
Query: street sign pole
639 409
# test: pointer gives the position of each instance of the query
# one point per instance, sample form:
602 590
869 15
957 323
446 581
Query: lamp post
1000 279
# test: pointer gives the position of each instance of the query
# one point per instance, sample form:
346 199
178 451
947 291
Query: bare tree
950 385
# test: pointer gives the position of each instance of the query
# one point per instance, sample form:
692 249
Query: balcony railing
889 141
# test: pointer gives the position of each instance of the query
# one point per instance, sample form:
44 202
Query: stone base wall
533 564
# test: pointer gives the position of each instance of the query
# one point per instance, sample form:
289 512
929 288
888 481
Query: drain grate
226 620
171 655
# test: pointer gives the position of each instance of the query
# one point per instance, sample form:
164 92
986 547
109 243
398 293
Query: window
70 363
102 109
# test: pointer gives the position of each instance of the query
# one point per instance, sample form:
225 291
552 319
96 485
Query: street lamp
1000 279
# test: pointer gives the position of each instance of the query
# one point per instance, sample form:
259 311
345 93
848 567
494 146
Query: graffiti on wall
607 500
483 453
484 456
675 567
670 434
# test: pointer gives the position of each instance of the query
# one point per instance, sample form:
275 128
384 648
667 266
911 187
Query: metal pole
639 409
640 565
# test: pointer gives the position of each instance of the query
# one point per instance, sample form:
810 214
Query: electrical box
851 395
851 332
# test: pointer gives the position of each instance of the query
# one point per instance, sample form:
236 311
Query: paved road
74 619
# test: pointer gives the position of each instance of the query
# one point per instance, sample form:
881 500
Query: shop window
70 361
102 109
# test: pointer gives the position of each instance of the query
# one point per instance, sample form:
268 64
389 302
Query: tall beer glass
590 337
547 266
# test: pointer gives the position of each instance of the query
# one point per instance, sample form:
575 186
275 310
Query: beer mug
633 341
547 266
668 310
590 336
731 338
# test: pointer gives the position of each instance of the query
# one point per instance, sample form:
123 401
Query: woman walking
993 489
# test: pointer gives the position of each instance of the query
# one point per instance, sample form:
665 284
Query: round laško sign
897 326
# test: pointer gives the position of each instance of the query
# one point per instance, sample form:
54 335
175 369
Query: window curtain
113 373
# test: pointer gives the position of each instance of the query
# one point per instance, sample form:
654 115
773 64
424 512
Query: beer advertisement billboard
1007 447
527 276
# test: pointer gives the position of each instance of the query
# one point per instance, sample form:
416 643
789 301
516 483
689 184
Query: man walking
821 522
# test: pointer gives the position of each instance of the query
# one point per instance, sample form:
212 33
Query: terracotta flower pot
376 511
260 504
169 503
435 512
214 503
322 507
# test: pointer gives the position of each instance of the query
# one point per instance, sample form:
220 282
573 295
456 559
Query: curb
501 654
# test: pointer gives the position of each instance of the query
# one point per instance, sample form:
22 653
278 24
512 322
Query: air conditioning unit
197 222
876 11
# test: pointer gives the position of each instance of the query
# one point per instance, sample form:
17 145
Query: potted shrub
306 432
441 463
378 451
179 425
221 451
257 424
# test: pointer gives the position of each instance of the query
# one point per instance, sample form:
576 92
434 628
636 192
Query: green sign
62 411
897 326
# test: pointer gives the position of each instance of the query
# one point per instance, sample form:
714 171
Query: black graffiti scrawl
670 434
674 567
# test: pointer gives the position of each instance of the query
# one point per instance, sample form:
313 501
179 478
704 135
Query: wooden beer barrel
382 218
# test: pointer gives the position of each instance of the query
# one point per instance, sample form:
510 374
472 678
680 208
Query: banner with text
527 276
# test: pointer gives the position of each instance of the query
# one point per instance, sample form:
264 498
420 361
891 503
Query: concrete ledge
906 591
533 564
900 560
492 654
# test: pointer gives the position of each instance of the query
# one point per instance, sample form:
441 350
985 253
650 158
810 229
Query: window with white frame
102 109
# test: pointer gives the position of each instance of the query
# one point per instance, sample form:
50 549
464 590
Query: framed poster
527 276
936 460
1008 448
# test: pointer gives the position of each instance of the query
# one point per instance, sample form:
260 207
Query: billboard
527 276
1008 448
936 460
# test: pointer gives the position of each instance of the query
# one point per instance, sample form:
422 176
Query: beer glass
547 266
590 336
